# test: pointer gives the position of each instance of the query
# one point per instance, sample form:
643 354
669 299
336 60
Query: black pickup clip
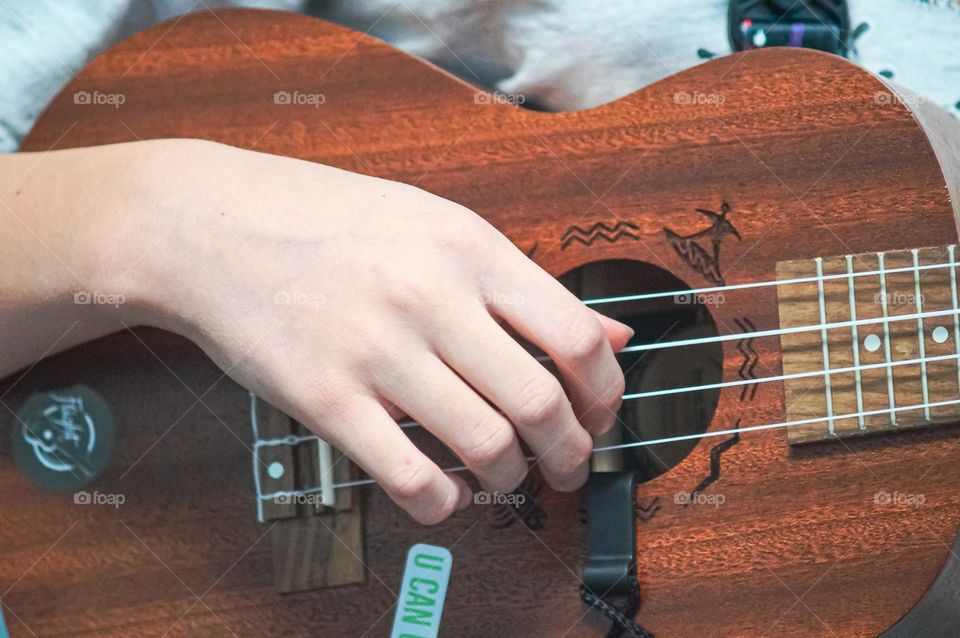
611 564
610 570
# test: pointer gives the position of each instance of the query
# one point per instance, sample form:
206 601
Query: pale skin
344 300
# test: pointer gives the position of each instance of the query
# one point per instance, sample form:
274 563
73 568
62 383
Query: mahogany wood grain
808 160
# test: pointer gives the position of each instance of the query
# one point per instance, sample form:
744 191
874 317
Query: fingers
618 334
465 422
367 434
548 315
532 399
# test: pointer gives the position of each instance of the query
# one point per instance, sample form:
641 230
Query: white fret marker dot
275 470
940 334
871 343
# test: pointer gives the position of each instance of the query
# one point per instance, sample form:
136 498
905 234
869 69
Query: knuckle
412 481
615 392
578 450
327 392
583 336
510 479
437 513
491 445
409 292
541 400
456 238
516 481
459 230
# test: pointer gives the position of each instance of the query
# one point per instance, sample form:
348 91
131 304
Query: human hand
345 299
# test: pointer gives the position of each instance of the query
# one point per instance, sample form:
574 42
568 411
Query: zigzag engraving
715 454
646 512
529 511
600 230
750 358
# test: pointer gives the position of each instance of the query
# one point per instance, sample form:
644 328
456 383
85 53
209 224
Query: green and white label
424 589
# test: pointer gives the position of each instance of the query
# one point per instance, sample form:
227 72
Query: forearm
341 299
59 236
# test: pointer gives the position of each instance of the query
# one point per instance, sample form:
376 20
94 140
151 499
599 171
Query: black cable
622 619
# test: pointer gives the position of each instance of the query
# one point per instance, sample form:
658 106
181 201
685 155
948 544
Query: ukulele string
762 284
742 382
755 334
713 433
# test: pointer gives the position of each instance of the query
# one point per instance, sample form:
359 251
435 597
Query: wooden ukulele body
801 153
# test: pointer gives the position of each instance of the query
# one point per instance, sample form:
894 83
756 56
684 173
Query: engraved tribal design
600 230
706 262
646 511
527 509
715 452
750 358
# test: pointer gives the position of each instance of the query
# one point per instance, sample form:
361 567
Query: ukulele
777 225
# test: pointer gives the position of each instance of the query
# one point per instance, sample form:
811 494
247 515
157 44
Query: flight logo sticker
63 438
703 260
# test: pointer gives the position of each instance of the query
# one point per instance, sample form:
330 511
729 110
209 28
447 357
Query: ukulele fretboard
882 353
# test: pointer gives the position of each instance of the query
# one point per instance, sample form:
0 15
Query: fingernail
628 329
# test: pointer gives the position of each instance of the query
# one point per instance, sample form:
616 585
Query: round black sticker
63 438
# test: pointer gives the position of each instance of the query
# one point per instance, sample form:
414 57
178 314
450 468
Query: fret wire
956 309
856 342
924 386
886 337
826 352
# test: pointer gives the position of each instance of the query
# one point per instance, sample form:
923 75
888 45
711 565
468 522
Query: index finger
548 315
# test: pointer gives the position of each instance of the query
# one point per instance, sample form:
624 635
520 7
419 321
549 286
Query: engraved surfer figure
707 263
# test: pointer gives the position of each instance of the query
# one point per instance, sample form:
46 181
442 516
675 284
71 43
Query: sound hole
669 318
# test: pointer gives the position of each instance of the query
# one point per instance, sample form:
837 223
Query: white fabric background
560 54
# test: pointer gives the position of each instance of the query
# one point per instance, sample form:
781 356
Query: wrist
150 227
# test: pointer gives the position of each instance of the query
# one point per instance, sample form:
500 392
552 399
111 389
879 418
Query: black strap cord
622 618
